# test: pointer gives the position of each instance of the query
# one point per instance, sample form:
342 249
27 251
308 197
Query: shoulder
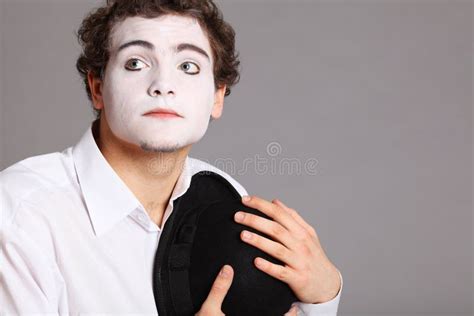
32 180
198 165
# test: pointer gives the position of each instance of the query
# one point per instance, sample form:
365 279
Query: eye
134 64
190 68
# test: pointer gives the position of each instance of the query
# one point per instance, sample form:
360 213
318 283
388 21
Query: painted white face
149 69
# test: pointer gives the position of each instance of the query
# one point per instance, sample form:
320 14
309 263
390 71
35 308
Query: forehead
163 31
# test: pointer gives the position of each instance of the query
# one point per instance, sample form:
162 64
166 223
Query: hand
307 270
212 306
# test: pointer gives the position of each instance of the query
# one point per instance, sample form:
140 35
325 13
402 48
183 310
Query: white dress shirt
75 240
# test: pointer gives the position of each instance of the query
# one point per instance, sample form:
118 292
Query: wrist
333 290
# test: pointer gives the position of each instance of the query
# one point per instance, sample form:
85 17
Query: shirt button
142 218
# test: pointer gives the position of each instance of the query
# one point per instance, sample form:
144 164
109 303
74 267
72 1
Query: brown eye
134 64
190 68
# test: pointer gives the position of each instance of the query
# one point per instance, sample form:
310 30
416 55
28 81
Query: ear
218 102
95 84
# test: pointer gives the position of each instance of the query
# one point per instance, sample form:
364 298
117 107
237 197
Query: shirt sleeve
31 282
328 308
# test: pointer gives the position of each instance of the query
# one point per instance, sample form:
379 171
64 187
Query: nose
162 85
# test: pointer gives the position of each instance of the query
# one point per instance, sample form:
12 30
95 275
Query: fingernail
246 235
260 263
246 198
239 216
225 271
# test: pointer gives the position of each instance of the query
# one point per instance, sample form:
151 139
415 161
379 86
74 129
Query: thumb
220 287
293 311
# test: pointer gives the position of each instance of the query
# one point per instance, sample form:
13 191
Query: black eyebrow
179 48
141 43
187 46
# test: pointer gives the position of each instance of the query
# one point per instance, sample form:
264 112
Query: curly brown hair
93 35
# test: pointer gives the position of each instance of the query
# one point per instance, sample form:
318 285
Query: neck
151 176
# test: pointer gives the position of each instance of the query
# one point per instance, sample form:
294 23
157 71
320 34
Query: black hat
201 236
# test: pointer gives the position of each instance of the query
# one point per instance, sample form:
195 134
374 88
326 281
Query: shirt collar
106 196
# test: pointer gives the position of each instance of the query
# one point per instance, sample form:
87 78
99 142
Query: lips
162 111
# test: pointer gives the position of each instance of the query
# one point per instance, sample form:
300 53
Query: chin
161 147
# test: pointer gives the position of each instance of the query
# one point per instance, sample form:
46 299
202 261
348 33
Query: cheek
199 93
200 105
118 93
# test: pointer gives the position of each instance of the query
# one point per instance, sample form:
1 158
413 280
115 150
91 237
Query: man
80 228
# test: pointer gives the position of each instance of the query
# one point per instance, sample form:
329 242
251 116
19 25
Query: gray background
379 93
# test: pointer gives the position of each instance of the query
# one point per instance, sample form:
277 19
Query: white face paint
163 78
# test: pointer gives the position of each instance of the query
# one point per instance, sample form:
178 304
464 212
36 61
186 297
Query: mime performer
80 227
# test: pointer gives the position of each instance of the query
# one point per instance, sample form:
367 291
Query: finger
285 274
297 217
273 211
266 226
293 311
270 247
219 289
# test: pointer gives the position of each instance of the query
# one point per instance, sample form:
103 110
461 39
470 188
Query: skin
307 270
148 153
